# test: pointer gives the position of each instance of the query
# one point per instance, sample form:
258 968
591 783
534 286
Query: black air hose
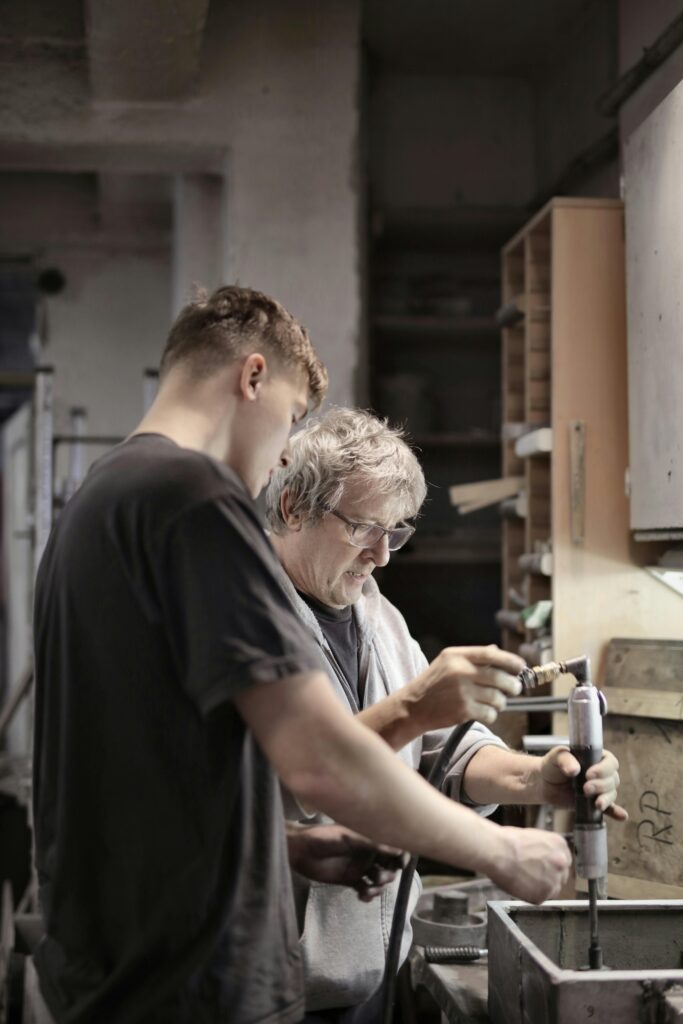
435 778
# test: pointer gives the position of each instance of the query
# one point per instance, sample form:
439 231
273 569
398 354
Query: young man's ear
253 375
293 522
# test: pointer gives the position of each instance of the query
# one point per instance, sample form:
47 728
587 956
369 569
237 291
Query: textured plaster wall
105 328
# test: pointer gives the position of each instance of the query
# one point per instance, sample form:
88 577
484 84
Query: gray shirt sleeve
478 736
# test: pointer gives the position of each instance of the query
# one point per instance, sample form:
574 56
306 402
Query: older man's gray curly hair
328 451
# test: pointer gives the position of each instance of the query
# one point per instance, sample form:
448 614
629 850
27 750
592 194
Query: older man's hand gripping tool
585 707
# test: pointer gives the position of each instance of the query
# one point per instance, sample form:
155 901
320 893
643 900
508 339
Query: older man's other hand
464 683
338 856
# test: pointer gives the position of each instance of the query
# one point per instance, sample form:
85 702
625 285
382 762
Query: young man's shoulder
147 484
154 467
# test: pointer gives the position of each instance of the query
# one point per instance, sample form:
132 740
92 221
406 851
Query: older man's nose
380 551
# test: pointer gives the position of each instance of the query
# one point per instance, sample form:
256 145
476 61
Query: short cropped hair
328 451
215 330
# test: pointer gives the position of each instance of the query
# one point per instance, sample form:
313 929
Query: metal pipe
597 153
13 702
532 704
664 45
101 439
79 417
42 461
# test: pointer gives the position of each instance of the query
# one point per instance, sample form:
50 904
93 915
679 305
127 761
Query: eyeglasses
366 535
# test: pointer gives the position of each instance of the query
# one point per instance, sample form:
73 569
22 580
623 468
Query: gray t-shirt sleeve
231 624
477 736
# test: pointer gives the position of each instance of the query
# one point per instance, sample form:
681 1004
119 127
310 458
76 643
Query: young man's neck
198 415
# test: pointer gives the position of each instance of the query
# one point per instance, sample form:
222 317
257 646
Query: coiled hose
435 778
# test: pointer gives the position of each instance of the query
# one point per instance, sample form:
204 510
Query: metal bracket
577 480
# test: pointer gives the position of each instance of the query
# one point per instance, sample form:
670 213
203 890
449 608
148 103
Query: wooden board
620 887
645 678
655 315
649 847
600 588
645 703
645 664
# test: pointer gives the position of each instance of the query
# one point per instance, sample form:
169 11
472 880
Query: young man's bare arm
332 762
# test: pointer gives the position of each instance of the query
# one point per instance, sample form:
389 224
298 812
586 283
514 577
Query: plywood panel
649 846
654 222
638 664
599 591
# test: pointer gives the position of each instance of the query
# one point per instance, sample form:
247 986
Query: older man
336 512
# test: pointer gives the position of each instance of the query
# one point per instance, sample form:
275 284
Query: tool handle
453 954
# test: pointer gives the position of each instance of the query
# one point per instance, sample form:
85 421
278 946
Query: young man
172 676
337 511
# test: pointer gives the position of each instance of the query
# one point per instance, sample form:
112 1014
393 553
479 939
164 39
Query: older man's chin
353 585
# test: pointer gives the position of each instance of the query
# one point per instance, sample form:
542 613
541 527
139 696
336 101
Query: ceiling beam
144 51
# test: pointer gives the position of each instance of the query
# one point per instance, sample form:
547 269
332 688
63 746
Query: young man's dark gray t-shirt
160 848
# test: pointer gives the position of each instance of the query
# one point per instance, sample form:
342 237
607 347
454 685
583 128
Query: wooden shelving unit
564 367
553 299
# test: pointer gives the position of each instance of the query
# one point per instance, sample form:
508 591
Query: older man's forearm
393 719
497 776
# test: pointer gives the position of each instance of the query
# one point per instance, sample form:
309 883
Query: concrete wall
291 87
110 321
105 328
252 179
278 98
438 142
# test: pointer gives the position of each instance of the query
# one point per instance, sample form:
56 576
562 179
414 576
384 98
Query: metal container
537 958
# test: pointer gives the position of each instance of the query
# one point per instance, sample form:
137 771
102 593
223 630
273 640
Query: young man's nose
285 457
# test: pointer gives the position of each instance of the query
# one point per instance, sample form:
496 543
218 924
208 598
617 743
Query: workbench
459 990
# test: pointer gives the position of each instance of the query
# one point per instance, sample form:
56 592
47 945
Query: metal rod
594 950
42 462
536 704
11 705
104 439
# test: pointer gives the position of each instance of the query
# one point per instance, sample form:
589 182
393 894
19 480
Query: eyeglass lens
368 536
